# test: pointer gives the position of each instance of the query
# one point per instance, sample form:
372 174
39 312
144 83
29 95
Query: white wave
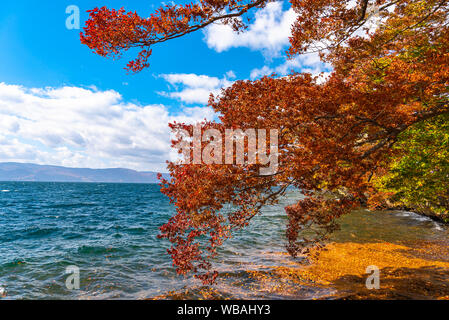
437 226
418 217
414 216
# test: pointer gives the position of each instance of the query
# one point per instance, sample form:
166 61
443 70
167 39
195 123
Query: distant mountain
11 171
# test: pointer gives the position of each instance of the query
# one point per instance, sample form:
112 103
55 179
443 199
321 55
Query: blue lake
110 232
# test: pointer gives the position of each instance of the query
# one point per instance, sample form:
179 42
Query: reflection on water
391 226
259 250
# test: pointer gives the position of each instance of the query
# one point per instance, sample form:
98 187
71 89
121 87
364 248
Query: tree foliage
334 135
418 177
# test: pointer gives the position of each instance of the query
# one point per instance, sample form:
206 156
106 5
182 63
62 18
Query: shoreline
411 265
408 271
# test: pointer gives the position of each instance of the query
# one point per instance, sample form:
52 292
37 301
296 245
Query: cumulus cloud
269 32
193 88
85 127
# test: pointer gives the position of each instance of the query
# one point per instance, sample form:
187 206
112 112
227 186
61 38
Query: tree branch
363 9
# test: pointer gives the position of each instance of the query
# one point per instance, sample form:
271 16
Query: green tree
418 176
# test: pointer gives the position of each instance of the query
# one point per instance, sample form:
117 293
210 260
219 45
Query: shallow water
109 231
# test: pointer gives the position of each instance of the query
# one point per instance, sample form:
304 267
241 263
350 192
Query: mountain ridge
30 172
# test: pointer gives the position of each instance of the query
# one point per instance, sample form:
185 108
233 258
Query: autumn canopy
344 141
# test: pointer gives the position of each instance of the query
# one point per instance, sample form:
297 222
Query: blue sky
62 104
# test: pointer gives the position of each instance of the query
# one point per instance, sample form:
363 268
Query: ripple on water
97 250
110 232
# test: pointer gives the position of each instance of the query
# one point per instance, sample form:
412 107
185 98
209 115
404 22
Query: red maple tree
334 135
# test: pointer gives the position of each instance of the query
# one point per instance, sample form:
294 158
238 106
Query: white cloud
269 32
81 127
193 88
258 73
230 74
307 63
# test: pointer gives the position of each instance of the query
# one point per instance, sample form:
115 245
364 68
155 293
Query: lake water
110 232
